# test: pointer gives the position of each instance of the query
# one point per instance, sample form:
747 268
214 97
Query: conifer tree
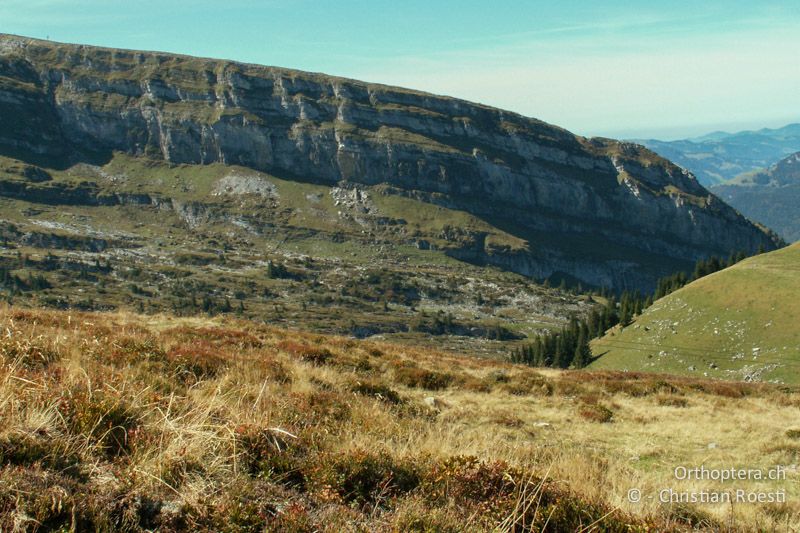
582 352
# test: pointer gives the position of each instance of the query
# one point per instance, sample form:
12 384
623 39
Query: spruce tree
582 353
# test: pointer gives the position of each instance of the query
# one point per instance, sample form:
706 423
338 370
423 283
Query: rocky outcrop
583 205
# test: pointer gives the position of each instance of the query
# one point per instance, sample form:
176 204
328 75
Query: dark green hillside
770 196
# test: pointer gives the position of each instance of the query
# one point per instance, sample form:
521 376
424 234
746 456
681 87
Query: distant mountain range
720 156
770 196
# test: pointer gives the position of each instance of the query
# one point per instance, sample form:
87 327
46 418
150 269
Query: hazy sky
619 68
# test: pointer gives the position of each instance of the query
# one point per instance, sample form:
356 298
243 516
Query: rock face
597 210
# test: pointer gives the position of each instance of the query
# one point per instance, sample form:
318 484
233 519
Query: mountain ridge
550 188
720 156
788 129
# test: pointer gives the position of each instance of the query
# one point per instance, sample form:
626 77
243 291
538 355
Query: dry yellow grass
119 421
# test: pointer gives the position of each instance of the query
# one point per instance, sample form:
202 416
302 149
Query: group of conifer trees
569 347
13 284
704 267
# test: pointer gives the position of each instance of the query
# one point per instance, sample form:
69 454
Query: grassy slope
244 231
196 183
118 421
743 319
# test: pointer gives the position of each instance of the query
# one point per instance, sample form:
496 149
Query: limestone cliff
601 211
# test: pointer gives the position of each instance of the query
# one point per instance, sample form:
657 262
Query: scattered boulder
435 403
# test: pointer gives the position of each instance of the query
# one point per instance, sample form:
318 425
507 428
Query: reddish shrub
421 378
216 336
466 479
312 354
596 413
377 390
135 349
362 477
274 454
32 353
197 360
101 418
276 370
319 408
293 518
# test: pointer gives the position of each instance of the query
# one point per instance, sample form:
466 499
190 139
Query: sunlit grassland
737 322
127 421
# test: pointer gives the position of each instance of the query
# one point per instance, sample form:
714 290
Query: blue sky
620 68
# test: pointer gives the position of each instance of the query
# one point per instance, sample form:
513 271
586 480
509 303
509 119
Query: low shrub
362 364
508 420
276 371
247 505
195 361
414 515
312 354
318 408
789 451
274 454
129 350
503 498
474 384
104 420
550 507
293 518
421 378
377 390
691 516
596 413
724 389
498 376
360 477
528 384
44 318
638 388
793 434
43 499
590 398
219 337
465 479
671 400
37 449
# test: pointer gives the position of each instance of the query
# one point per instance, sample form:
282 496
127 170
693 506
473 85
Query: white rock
434 403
